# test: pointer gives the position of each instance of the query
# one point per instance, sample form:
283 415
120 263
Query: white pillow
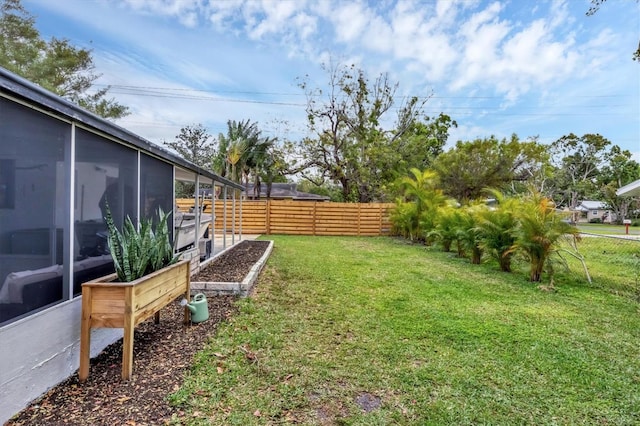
11 291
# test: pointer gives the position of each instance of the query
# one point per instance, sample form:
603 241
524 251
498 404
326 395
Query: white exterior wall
51 339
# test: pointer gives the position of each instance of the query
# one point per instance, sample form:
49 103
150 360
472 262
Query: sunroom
59 166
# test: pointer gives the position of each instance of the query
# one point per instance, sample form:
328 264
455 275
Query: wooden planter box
110 304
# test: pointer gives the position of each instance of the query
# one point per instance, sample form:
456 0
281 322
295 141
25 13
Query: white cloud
350 21
490 56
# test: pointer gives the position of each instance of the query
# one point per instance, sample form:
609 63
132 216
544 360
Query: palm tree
258 162
235 146
539 228
235 152
243 154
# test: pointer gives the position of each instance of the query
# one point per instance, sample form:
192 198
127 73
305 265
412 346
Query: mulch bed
162 355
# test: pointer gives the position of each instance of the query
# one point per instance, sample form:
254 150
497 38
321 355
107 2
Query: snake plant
137 252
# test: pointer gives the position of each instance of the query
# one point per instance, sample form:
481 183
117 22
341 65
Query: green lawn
608 229
338 324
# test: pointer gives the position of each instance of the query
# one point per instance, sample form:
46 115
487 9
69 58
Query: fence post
315 207
268 217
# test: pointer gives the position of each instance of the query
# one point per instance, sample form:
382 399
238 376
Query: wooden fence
299 217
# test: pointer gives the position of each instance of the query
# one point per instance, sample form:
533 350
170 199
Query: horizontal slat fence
300 217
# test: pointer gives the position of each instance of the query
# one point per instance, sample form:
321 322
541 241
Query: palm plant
235 152
539 229
420 190
401 217
236 147
467 232
497 230
445 227
259 161
138 252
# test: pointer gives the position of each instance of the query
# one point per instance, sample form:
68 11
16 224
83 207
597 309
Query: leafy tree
539 229
193 144
55 65
326 189
351 147
470 167
619 170
578 161
420 144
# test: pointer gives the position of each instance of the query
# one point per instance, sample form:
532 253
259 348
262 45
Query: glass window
106 178
156 187
33 208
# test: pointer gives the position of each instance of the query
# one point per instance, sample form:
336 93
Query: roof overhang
16 87
630 190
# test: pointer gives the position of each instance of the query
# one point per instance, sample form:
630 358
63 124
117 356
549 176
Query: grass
375 331
607 229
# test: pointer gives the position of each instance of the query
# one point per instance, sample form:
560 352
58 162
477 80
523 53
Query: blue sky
534 68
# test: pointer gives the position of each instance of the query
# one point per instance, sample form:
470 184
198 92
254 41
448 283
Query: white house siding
42 350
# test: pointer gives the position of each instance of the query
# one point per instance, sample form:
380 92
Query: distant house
594 211
283 191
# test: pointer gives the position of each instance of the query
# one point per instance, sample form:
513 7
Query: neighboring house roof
281 191
630 190
591 205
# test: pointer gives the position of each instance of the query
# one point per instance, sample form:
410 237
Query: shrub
497 230
540 227
595 220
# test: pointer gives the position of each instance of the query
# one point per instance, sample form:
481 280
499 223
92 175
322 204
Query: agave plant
138 252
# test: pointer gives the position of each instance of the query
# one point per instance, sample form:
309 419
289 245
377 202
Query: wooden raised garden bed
110 304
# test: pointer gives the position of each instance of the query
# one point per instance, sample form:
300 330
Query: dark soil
162 355
233 266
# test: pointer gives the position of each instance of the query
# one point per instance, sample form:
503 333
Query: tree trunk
537 265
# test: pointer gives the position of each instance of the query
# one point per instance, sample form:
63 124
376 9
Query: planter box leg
85 337
127 341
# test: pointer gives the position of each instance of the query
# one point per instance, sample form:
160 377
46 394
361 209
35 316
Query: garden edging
242 289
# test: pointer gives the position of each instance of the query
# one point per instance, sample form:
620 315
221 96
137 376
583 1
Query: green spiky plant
138 252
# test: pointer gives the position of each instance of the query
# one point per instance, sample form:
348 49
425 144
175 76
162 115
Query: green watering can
198 307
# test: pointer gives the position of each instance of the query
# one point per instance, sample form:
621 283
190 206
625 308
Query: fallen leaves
162 354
